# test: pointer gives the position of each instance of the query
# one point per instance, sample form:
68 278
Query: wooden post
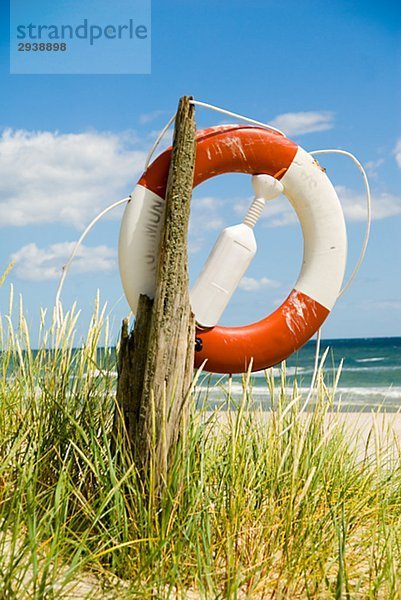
156 359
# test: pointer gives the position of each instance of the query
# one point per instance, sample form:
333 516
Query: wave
308 370
277 371
345 369
368 360
385 393
360 395
372 369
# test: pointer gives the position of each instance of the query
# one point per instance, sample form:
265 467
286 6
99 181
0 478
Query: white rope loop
74 252
236 116
158 140
368 211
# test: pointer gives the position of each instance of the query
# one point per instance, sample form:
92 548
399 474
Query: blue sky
328 74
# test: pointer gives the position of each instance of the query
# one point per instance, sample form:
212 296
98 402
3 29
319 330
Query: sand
367 432
370 432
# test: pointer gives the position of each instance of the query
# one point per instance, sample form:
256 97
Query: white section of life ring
319 211
139 244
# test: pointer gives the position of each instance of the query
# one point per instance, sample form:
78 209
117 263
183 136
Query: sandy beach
370 432
367 432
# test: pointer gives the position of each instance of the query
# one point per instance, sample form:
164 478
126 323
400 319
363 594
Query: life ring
253 150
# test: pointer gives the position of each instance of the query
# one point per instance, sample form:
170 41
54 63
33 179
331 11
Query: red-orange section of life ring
253 150
228 149
267 342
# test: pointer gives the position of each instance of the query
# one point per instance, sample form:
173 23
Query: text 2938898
42 47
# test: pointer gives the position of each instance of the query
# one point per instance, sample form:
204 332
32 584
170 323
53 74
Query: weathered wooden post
156 359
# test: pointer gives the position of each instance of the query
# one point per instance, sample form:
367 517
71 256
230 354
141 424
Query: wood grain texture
156 359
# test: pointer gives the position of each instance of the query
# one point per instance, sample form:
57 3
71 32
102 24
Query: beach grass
285 505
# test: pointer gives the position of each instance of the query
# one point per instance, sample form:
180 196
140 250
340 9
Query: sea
370 376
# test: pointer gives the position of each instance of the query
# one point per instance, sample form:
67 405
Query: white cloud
44 264
299 123
151 116
49 177
279 213
195 245
354 204
208 202
215 223
397 153
206 213
372 166
206 216
249 284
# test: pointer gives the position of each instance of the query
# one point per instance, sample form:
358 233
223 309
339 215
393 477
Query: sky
328 75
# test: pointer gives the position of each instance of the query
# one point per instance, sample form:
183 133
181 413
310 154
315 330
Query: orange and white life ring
253 150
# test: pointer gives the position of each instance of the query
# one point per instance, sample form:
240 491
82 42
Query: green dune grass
254 507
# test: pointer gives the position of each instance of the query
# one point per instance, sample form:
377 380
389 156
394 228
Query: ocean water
370 376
